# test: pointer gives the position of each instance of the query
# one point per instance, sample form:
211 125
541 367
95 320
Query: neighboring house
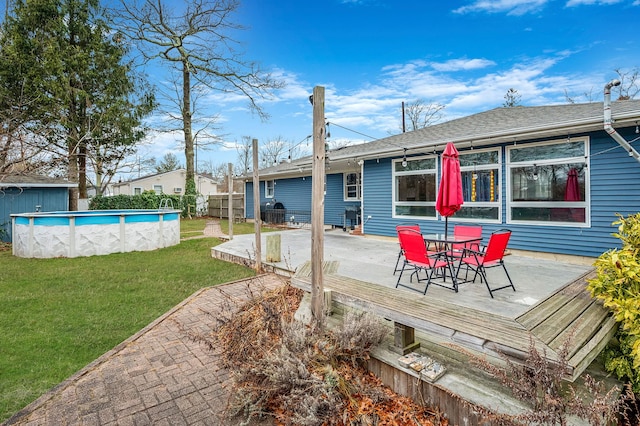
171 183
22 193
551 174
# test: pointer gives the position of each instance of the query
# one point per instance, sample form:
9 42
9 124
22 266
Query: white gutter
607 121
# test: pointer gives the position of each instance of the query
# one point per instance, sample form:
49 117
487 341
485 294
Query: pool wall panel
73 234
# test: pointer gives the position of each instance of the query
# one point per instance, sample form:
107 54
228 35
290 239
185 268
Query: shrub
538 383
617 284
146 200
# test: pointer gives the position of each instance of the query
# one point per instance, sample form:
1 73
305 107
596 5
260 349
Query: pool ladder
166 204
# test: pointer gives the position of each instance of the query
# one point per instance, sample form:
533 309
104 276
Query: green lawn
60 314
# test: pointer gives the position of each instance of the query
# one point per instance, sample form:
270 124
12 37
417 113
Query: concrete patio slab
373 259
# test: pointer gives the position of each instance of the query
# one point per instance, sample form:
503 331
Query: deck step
569 317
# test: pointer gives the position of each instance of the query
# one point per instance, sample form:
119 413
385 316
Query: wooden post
257 223
273 247
230 186
317 207
403 339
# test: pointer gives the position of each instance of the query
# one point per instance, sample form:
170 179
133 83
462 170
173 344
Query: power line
351 130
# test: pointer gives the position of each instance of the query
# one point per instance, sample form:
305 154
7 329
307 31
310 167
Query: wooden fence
219 206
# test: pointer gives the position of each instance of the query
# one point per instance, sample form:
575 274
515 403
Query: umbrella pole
446 226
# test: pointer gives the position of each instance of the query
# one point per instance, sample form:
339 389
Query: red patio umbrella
450 197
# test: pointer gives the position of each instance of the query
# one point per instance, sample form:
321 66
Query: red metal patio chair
492 256
413 226
466 231
417 257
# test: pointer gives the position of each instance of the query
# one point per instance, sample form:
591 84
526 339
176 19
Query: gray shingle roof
30 180
504 124
489 127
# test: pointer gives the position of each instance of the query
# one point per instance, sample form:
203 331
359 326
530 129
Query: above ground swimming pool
93 232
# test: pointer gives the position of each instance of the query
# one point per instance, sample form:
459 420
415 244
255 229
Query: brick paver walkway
157 377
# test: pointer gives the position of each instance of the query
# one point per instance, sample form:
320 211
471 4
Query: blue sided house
556 176
26 193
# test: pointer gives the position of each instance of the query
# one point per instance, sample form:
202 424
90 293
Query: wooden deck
569 316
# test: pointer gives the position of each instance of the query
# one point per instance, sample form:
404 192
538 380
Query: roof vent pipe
607 121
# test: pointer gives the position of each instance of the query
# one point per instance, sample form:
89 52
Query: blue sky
371 55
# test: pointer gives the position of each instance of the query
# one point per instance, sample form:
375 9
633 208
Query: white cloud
373 107
572 3
462 64
511 7
293 89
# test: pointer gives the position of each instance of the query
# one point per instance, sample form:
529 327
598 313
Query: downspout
607 121
362 219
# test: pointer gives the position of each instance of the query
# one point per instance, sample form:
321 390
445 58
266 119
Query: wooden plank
542 310
581 360
419 312
328 267
582 329
318 175
561 319
256 207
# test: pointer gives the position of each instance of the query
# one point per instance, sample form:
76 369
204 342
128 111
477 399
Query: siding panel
25 200
614 188
295 194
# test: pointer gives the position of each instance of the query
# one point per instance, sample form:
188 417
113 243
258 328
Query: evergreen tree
83 101
511 98
168 163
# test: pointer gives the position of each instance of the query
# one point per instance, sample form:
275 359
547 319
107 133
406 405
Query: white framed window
352 186
414 187
269 188
137 190
548 183
481 179
157 189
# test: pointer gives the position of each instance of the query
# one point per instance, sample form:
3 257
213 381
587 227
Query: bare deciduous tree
588 96
245 155
106 160
629 83
628 88
274 151
422 114
194 39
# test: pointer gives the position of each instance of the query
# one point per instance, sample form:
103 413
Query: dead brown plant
539 383
289 372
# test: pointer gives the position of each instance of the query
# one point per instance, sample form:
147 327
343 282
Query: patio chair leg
466 272
430 275
508 277
483 274
503 287
400 276
397 262
454 279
